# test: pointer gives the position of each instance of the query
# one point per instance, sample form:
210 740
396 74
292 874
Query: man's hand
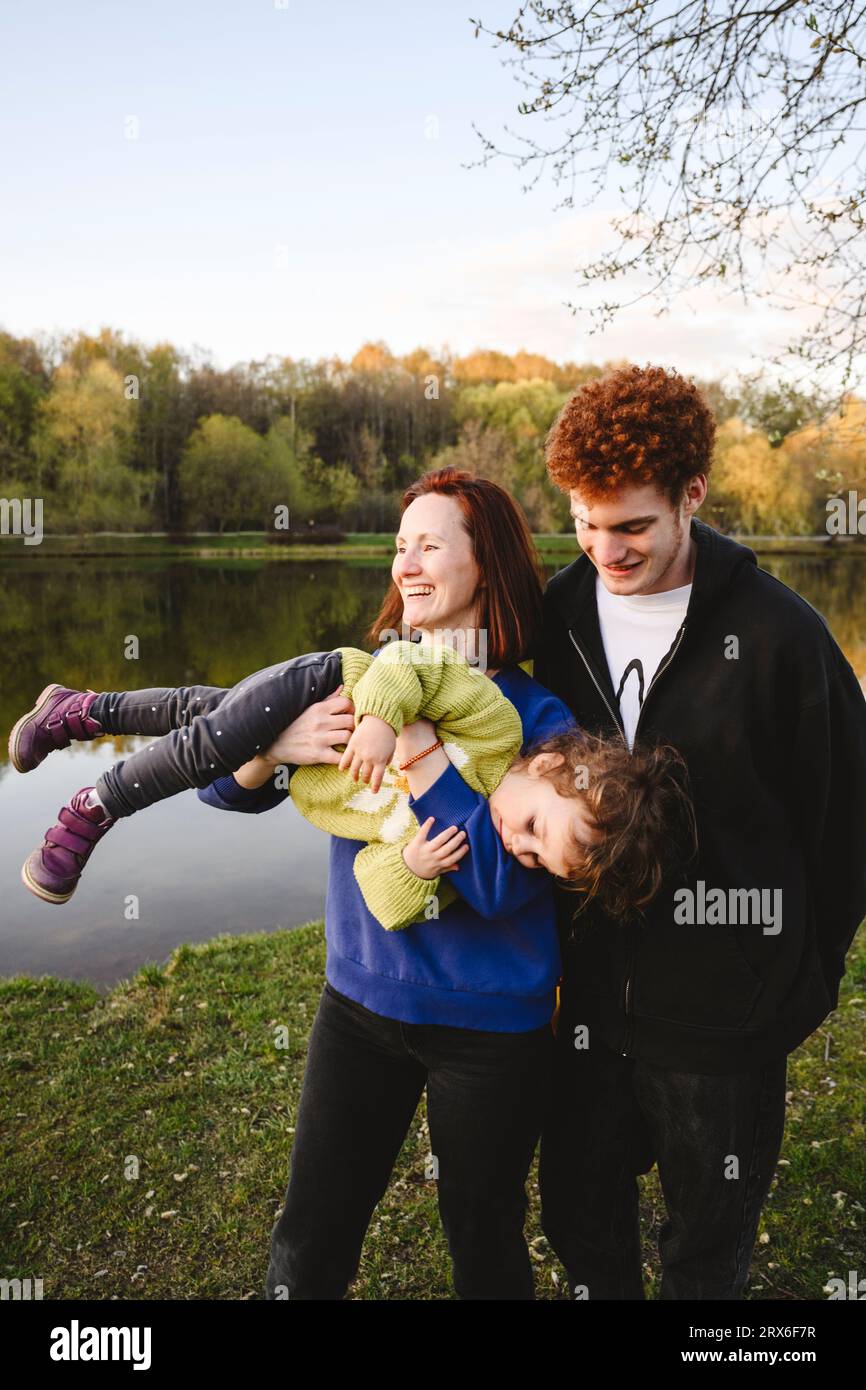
430 858
311 737
369 751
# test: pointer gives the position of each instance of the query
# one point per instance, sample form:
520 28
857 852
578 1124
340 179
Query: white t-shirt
638 631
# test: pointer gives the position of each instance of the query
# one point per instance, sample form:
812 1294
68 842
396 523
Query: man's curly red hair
630 427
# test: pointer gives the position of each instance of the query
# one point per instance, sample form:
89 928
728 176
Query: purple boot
52 871
59 716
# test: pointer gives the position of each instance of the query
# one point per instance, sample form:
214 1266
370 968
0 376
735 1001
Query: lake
195 870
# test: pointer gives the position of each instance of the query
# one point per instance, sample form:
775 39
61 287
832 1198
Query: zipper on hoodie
660 672
627 1000
598 687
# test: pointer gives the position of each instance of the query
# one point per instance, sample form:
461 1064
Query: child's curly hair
639 801
632 426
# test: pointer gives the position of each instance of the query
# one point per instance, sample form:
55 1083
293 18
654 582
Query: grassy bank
356 546
146 1135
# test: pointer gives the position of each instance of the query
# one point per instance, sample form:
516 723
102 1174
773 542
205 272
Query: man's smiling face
636 538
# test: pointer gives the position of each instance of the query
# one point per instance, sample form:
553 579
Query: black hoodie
775 742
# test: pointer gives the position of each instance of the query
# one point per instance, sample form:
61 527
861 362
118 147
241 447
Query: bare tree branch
732 134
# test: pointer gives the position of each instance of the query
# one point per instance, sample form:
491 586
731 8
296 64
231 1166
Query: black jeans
715 1139
365 1074
207 731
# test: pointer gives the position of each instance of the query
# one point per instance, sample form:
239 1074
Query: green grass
146 1135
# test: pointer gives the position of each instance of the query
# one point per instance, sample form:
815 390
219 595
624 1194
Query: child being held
604 821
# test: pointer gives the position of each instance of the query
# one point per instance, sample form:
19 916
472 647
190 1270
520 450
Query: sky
256 177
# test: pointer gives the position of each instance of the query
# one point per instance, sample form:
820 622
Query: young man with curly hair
674 1029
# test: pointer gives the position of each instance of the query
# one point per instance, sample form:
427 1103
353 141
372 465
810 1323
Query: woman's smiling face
434 568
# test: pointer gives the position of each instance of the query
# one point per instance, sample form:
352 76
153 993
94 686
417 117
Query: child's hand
430 858
369 751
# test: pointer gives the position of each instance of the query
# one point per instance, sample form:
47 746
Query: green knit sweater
481 733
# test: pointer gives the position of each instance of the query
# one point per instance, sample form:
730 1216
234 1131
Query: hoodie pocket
695 975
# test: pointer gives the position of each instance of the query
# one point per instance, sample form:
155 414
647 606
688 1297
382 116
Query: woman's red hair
511 576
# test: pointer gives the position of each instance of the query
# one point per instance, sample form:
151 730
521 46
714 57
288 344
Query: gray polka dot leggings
202 732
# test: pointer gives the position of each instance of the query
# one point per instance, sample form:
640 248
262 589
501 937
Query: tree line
115 435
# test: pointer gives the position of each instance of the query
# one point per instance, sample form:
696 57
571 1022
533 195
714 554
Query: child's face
535 823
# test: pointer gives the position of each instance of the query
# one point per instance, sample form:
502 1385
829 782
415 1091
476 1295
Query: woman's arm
488 878
255 773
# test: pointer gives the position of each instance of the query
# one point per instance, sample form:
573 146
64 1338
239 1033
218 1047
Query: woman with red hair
460 1004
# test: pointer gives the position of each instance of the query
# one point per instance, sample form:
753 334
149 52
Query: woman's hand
431 858
311 737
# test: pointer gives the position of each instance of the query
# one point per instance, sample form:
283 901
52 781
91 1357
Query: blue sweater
491 960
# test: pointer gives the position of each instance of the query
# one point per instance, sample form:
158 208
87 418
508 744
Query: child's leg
154 711
202 747
61 715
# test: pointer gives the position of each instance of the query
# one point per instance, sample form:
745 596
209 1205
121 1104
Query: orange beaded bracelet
410 761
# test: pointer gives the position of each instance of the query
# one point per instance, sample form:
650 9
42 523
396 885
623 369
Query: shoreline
252 545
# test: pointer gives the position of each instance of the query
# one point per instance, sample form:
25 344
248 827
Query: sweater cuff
383 708
449 799
396 898
385 704
228 789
